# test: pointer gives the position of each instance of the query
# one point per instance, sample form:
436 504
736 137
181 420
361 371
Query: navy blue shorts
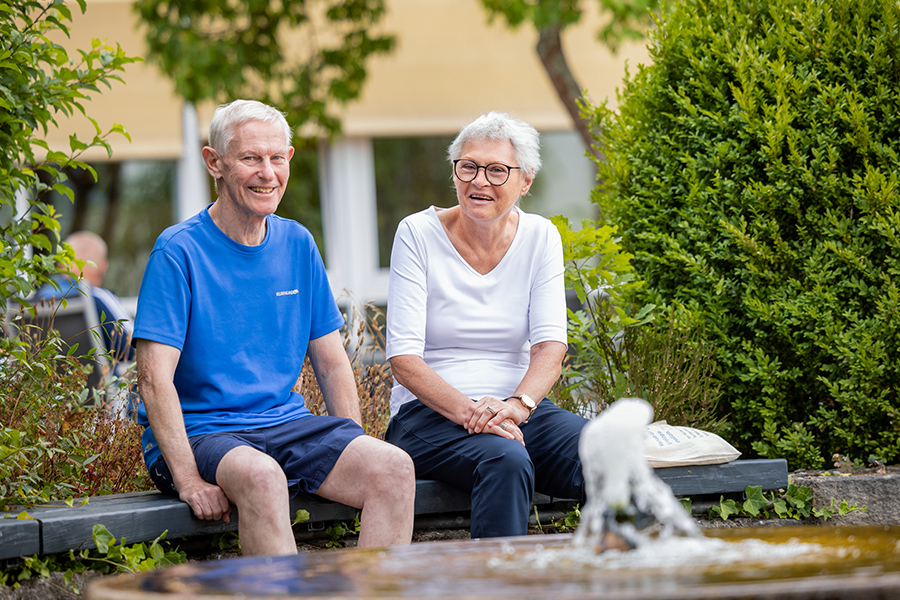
306 449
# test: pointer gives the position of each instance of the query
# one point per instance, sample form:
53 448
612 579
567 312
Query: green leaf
726 508
103 539
755 501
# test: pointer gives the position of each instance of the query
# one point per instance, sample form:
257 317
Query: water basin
772 563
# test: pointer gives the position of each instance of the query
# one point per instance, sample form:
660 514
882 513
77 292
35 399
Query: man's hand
208 501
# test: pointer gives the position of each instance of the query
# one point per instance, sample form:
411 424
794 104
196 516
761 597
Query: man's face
254 172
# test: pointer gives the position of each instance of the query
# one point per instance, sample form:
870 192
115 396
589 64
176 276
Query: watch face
527 401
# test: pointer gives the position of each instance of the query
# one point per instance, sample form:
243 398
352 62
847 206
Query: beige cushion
670 446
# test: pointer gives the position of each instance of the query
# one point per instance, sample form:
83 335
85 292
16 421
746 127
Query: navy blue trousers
501 474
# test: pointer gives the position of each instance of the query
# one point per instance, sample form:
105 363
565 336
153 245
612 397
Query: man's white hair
228 117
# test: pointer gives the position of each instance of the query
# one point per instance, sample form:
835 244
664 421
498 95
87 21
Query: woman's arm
411 372
543 371
414 374
407 315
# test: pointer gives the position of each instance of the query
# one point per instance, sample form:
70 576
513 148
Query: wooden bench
143 516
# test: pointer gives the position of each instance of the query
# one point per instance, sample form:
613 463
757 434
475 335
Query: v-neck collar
434 212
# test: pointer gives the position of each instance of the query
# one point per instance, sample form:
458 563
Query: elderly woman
476 334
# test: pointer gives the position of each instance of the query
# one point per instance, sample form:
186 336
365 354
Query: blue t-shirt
242 317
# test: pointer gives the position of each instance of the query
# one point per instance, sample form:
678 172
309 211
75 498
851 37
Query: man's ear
211 158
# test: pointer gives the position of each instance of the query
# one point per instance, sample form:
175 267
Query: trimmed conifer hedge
753 171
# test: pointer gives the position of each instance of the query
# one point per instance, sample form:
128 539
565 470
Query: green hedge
753 172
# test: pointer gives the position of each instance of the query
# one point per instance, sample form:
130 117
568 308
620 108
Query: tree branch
549 49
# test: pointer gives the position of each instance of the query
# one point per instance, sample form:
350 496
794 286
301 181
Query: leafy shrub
599 272
56 444
617 351
754 170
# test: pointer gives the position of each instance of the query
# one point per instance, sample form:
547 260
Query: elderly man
231 302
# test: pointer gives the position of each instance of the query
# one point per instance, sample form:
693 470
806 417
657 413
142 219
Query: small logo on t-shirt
288 293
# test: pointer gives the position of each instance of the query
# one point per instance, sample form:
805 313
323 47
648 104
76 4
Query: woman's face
478 199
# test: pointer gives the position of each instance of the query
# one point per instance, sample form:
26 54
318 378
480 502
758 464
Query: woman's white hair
500 126
228 117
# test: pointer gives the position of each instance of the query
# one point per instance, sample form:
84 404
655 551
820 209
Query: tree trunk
550 50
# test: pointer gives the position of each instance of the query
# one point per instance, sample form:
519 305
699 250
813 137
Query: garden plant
621 349
754 173
55 444
39 83
50 446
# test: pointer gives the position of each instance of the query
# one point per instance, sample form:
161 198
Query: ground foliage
109 555
58 442
754 169
796 502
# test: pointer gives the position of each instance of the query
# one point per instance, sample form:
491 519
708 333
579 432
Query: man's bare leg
256 484
380 479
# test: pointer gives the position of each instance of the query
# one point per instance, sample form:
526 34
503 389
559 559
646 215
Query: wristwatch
527 402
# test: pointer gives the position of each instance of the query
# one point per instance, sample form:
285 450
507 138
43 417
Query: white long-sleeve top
473 330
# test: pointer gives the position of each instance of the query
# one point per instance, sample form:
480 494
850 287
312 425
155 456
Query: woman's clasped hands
492 415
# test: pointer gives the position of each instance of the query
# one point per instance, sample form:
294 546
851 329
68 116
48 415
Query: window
411 174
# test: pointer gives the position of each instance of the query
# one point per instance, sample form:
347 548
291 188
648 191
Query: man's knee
390 466
244 470
386 469
370 469
400 470
397 460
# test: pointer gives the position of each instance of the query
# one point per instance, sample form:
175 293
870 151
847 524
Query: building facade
414 100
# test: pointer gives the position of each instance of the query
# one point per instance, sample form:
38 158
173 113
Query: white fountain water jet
620 485
631 519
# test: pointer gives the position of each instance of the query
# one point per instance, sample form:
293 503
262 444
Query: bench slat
143 516
19 538
770 473
142 521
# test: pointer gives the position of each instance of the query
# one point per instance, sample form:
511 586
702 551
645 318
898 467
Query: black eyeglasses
496 173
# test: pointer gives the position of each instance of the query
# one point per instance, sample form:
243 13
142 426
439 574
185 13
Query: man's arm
156 370
335 376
